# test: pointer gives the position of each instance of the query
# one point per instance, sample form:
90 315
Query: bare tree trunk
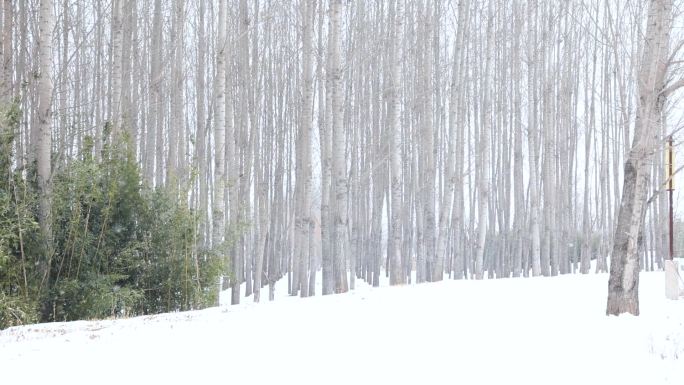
115 62
43 145
303 221
483 153
6 90
6 54
623 285
63 86
262 213
393 117
339 167
518 188
585 257
218 203
532 139
176 161
201 134
128 28
428 148
155 97
325 137
449 179
241 263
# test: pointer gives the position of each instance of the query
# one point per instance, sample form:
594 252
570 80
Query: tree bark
483 155
43 146
397 276
532 140
325 137
340 183
623 284
303 220
115 63
218 203
428 149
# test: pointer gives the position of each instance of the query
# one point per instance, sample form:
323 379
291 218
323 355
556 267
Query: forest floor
531 331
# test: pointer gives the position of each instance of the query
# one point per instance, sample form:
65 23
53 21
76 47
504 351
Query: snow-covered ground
527 331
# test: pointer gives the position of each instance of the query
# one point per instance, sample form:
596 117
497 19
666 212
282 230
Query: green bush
119 248
18 281
94 297
16 310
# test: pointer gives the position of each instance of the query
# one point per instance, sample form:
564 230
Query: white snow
510 331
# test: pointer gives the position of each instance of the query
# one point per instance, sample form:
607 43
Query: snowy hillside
540 330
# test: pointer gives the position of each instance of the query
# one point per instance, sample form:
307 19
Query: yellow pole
670 187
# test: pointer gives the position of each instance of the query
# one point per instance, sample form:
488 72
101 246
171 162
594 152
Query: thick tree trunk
218 203
43 145
339 164
155 106
623 285
115 63
303 220
240 258
449 178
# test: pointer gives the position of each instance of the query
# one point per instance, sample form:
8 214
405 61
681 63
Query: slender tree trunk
6 54
483 155
155 97
518 188
201 134
428 171
325 137
128 29
585 257
115 62
6 89
176 150
393 117
532 139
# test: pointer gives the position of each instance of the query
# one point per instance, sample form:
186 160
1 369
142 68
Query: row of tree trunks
440 147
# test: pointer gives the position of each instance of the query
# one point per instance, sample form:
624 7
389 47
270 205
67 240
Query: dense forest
155 152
